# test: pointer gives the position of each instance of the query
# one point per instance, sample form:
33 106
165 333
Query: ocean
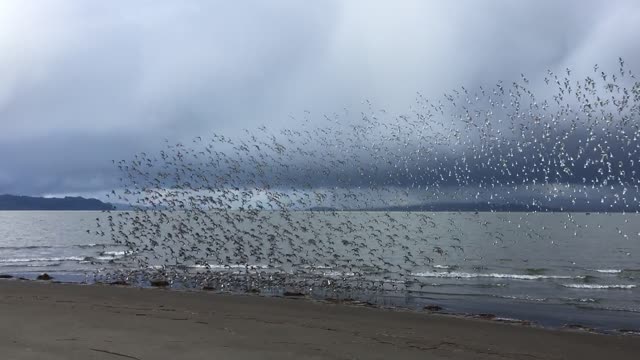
554 269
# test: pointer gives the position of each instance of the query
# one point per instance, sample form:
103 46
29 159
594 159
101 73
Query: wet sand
40 320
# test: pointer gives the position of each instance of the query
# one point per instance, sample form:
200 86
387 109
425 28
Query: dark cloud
96 82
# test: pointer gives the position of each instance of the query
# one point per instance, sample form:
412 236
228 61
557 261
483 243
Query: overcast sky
84 82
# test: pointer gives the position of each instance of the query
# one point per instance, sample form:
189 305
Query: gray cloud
82 83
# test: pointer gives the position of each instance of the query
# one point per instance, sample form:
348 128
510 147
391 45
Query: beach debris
358 303
513 321
159 282
5 276
44 276
119 282
485 316
433 308
578 327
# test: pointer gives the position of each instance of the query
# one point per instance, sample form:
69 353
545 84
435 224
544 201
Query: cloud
82 83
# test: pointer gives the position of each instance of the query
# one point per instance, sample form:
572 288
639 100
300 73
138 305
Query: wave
94 259
442 266
318 267
24 265
334 273
113 253
88 246
30 247
581 300
52 259
596 286
608 271
104 258
229 266
33 247
525 297
464 275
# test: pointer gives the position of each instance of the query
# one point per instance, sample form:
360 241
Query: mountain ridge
77 203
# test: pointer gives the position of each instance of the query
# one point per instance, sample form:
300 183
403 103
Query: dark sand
60 321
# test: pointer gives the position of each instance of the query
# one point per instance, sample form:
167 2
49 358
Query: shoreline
548 316
68 321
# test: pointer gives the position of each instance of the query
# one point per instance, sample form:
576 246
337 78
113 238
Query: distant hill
13 202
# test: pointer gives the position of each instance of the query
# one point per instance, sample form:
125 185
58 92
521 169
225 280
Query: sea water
553 268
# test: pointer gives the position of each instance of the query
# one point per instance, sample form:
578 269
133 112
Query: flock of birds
322 204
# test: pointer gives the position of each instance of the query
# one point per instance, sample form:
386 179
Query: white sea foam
198 266
88 246
337 273
114 253
441 266
229 266
316 267
390 281
596 286
525 297
53 259
465 275
23 265
106 258
608 271
582 300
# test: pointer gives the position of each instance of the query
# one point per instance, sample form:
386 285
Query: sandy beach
43 320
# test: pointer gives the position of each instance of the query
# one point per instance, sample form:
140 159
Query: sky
82 83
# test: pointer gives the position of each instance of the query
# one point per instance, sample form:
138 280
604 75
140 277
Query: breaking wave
34 247
113 253
596 286
465 275
608 271
51 259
